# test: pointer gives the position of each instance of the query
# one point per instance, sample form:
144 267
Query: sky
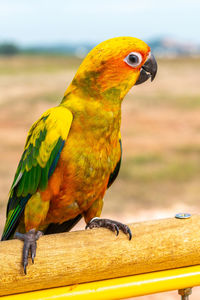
29 22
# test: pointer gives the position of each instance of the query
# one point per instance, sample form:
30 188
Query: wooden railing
163 255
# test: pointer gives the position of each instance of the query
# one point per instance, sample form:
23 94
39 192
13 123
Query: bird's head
114 66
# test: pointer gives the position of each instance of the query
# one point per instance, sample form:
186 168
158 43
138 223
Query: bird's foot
110 224
30 244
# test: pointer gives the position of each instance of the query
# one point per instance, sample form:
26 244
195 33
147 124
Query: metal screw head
185 292
183 216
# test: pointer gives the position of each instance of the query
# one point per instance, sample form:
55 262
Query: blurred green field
160 173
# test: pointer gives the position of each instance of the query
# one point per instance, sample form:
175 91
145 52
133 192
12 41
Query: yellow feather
57 121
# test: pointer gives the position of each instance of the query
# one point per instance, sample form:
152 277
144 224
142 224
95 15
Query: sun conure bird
73 152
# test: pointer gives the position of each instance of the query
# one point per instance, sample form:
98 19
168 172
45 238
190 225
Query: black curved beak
149 69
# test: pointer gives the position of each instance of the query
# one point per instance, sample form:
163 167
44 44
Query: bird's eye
134 59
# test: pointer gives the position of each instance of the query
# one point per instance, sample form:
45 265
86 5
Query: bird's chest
90 159
85 171
92 149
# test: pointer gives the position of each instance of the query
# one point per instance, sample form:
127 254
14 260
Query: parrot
73 153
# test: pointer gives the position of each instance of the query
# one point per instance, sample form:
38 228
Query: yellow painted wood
85 256
120 288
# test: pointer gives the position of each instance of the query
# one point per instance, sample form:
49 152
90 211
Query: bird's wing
42 150
114 174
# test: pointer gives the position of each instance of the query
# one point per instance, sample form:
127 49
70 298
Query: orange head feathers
114 64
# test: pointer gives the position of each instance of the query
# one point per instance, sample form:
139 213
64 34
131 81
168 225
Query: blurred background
41 46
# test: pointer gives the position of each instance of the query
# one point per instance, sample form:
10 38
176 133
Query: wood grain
84 256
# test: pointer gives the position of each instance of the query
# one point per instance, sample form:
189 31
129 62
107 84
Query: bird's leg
110 224
30 244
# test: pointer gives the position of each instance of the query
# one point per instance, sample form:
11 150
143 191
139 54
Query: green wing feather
42 150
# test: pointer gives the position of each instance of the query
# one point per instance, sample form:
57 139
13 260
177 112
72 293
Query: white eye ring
134 59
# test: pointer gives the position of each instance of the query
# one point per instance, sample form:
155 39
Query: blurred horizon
161 47
161 37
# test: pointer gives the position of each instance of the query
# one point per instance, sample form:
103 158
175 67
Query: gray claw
130 233
117 230
110 224
30 244
25 265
